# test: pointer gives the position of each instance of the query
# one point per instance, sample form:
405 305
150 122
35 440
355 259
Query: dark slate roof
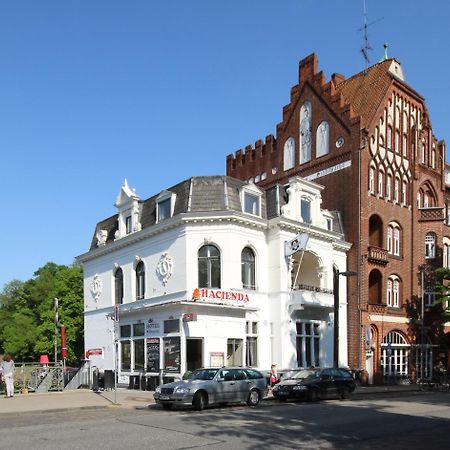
196 194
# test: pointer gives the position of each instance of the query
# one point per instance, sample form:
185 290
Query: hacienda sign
220 297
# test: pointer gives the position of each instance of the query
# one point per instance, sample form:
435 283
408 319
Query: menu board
152 354
172 354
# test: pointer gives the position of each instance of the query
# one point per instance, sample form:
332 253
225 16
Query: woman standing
7 366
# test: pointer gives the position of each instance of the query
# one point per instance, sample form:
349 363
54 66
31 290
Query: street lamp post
336 274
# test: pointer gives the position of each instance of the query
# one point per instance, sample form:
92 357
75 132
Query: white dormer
251 200
304 203
127 203
165 204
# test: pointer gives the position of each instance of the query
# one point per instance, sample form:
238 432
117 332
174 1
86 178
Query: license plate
282 393
164 397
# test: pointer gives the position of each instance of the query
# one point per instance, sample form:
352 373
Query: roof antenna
366 47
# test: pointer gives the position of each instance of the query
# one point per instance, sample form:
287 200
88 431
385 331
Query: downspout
358 278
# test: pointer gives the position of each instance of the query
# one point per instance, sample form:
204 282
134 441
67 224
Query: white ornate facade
206 281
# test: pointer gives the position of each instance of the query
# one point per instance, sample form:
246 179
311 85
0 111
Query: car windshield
304 374
202 374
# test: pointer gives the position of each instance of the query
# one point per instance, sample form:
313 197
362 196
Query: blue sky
155 91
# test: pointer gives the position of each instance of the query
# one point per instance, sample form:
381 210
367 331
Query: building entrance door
194 354
369 367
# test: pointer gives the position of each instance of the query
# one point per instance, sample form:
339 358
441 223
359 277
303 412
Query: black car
315 384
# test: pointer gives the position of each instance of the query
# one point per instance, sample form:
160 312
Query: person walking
7 366
273 375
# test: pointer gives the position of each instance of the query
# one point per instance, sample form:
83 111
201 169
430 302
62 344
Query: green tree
27 313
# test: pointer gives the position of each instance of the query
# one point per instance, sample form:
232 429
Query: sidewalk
134 399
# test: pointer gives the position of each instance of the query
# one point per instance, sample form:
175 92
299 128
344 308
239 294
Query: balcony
311 296
431 214
376 308
378 255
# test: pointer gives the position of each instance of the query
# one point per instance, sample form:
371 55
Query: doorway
194 353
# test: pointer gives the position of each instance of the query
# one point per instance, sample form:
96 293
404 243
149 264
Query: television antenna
366 46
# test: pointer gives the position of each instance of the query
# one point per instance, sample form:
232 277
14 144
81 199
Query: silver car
211 386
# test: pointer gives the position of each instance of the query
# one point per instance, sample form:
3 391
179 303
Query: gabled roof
366 90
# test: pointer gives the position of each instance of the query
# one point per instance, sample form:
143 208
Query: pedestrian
273 375
7 366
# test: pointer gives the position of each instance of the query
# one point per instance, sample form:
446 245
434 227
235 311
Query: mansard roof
196 194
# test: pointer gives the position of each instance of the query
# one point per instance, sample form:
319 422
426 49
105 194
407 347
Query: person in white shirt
7 366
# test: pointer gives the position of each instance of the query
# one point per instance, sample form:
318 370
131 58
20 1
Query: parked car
315 384
209 386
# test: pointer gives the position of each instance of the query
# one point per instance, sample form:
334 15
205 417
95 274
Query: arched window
118 286
389 137
404 192
446 253
394 355
389 186
289 154
375 288
376 231
405 145
322 139
140 281
396 190
248 268
430 246
380 183
372 180
393 239
397 141
389 239
209 267
393 292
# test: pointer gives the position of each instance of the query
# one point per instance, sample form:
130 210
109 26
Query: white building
201 277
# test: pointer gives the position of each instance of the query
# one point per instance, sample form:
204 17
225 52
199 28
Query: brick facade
382 160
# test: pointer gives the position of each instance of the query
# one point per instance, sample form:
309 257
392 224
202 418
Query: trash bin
152 382
108 380
143 383
95 379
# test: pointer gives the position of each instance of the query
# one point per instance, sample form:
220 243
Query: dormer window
128 206
251 204
163 210
128 224
165 203
251 200
305 209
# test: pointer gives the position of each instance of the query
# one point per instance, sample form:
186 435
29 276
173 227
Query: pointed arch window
118 286
372 180
289 154
430 246
404 192
389 187
248 268
380 183
140 281
209 267
396 190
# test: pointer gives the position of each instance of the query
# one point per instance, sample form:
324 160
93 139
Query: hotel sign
328 170
217 296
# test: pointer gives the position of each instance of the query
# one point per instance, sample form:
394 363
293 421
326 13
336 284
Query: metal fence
32 377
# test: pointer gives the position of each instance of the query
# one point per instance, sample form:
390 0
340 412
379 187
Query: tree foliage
27 313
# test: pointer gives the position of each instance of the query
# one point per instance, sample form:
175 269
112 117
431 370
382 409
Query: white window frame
388 186
430 246
372 180
251 191
389 238
162 198
429 295
404 191
380 183
396 241
396 190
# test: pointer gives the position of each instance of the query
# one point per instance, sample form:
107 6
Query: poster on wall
152 354
217 359
172 354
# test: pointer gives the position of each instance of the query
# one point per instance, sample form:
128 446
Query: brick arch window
393 291
393 239
375 287
397 189
375 231
140 281
209 267
389 186
380 182
372 179
404 192
430 245
446 253
395 354
118 286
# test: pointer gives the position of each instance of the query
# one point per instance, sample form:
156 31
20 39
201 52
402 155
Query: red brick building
368 139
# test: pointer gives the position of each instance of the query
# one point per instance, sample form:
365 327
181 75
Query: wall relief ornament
96 287
164 268
101 236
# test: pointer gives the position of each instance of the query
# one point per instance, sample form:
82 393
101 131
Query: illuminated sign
220 297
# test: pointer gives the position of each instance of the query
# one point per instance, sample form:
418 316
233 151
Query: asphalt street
396 422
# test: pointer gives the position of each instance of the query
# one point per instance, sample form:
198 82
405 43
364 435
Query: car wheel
253 397
199 401
167 406
313 395
345 393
